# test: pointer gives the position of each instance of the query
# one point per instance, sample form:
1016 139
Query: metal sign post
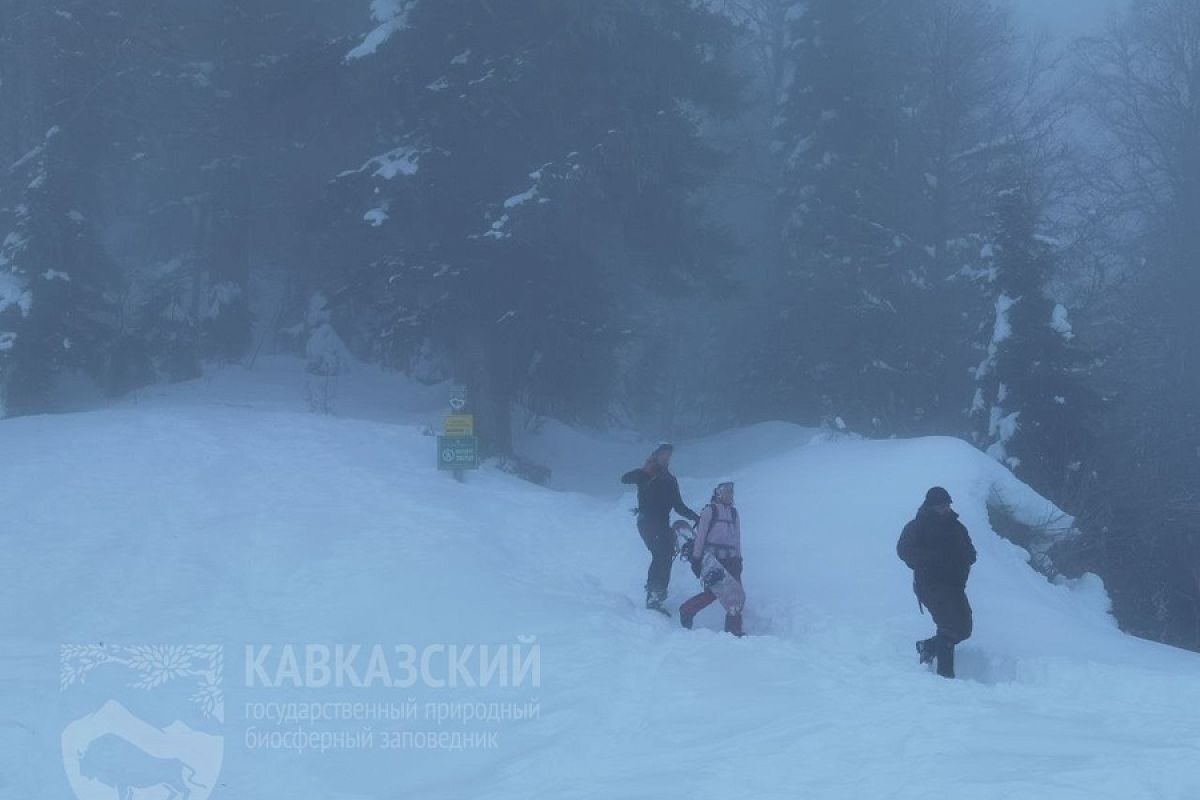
458 447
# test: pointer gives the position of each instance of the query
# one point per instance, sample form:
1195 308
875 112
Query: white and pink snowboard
713 576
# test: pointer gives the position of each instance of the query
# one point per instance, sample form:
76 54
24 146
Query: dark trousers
951 612
696 604
950 609
660 541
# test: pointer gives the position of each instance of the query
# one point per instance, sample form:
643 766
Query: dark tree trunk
480 368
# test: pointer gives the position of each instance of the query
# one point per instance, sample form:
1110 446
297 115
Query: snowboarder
719 542
938 549
657 495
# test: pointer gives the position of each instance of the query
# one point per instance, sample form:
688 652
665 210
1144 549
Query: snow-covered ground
222 512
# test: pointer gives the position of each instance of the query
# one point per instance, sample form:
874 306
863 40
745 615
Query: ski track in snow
220 511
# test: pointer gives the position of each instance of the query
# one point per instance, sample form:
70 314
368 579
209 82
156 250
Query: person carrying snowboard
718 532
657 495
938 549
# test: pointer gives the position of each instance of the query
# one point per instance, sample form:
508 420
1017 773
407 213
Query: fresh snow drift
221 512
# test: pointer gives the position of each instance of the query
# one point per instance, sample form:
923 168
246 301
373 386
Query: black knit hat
937 496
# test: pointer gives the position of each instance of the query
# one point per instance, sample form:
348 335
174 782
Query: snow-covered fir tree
888 125
55 301
1033 406
532 174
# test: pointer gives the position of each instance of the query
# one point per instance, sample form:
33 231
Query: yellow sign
459 425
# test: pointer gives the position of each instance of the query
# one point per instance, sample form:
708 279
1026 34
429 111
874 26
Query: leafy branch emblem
154 666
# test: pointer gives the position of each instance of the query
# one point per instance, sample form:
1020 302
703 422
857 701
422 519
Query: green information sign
458 452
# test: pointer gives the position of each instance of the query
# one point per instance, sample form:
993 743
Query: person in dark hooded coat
658 495
938 549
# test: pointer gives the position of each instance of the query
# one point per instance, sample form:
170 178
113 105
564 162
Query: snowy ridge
201 520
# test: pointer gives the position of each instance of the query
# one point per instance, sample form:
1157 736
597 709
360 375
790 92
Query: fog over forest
963 218
510 399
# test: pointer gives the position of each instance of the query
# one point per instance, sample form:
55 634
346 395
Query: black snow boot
654 602
685 619
927 650
945 658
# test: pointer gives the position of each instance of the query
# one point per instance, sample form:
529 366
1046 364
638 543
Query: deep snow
222 512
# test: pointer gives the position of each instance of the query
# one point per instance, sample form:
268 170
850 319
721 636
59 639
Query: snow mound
193 518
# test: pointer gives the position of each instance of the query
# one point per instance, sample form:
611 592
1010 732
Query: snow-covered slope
195 518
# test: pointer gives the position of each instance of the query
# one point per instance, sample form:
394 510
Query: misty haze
608 399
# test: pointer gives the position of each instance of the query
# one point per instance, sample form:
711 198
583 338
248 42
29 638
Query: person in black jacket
657 495
938 549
